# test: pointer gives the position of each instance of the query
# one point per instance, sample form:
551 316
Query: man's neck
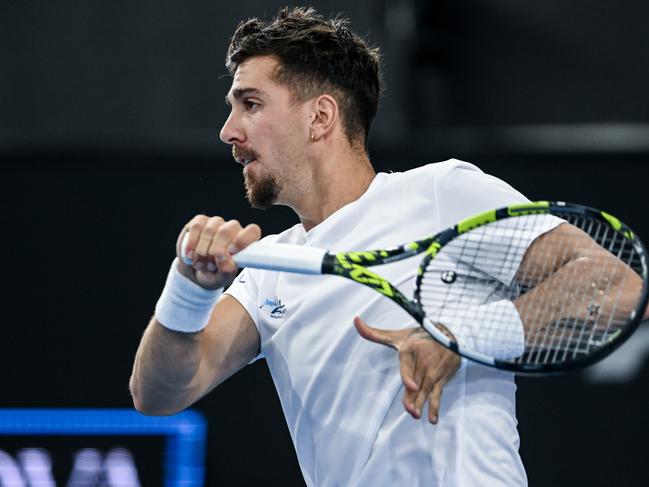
333 186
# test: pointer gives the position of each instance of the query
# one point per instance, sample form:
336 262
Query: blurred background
109 121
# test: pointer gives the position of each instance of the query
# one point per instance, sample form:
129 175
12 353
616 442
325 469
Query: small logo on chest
276 308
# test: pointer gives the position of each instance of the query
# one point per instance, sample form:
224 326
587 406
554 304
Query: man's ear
325 116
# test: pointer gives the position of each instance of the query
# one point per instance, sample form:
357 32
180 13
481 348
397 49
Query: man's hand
426 366
211 244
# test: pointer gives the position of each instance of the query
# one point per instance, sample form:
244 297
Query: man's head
316 56
298 80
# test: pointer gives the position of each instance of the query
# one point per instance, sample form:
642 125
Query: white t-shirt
342 395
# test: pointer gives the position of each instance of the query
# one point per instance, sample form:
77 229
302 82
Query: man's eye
250 105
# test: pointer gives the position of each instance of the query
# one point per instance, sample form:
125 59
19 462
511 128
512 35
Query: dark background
109 121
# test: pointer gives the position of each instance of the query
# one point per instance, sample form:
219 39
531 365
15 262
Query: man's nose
231 132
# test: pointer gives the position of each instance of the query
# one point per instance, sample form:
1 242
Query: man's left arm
563 255
427 366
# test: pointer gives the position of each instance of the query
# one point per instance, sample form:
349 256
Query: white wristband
184 305
494 329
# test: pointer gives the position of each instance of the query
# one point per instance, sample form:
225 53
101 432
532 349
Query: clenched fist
211 243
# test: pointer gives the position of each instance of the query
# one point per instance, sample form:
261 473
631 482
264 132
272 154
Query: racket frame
354 266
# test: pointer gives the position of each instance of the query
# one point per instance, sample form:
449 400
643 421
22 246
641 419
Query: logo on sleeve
242 277
276 308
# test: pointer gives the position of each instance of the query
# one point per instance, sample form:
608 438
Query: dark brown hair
316 56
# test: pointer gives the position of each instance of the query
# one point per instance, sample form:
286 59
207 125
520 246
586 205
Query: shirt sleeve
461 191
245 289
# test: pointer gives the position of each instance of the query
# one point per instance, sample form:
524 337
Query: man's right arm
173 369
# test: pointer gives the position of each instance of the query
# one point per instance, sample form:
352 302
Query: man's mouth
242 156
245 162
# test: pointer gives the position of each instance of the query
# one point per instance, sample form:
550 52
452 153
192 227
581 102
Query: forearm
576 288
595 291
592 294
198 336
166 370
164 378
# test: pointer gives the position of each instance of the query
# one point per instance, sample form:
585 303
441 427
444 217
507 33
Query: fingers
193 230
390 338
211 241
448 366
433 366
431 380
214 226
228 240
407 369
409 396
251 233
434 400
425 365
427 375
217 249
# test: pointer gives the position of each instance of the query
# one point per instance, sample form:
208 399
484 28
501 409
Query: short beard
261 193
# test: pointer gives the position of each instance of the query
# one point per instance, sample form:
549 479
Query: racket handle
274 257
281 257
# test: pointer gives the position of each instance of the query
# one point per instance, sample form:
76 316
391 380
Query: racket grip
273 257
281 257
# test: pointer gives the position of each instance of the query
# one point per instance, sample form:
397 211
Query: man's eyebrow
239 93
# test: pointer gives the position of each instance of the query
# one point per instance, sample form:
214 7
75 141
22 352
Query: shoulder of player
431 173
435 169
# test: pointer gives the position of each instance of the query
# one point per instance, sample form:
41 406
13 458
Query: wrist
185 306
494 329
446 331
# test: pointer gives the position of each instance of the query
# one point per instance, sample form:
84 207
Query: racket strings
541 336
483 262
569 338
595 230
561 333
577 311
627 254
572 343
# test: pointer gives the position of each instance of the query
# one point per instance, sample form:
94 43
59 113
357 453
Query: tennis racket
535 288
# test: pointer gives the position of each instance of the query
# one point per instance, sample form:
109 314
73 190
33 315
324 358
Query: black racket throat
353 266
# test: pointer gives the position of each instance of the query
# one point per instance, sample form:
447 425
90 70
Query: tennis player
304 94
